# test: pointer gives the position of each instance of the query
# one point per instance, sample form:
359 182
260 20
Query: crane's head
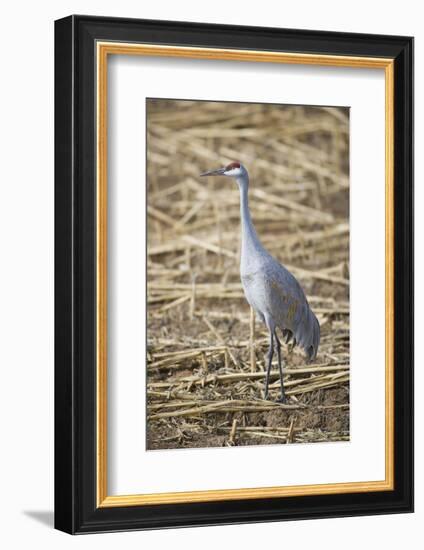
232 170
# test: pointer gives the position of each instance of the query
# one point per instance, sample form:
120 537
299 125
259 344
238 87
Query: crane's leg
269 359
278 345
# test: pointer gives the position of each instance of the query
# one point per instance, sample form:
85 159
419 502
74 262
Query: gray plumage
271 290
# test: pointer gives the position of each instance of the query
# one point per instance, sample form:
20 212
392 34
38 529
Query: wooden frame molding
103 50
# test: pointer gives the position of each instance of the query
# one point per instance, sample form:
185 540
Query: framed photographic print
234 274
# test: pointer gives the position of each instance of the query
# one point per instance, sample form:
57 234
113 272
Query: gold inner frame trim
104 49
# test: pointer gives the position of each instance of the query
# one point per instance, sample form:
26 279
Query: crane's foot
266 395
282 399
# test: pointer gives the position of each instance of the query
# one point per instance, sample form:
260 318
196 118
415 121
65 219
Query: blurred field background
205 363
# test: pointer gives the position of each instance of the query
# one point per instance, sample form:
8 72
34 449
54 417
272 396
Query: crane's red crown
232 165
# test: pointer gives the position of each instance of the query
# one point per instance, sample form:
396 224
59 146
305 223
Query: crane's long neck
249 239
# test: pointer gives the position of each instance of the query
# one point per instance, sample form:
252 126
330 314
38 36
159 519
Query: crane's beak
219 172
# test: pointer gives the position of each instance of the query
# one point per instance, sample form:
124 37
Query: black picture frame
76 510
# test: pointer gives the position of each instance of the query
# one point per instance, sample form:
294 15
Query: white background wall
26 272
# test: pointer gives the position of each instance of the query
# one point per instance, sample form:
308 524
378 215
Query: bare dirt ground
205 364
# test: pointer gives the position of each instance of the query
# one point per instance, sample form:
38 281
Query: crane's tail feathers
308 335
316 333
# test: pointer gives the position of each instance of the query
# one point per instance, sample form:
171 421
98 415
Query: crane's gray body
272 291
270 288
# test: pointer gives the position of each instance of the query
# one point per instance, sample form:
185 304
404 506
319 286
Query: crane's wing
287 304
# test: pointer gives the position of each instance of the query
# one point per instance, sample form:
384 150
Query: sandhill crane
271 290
